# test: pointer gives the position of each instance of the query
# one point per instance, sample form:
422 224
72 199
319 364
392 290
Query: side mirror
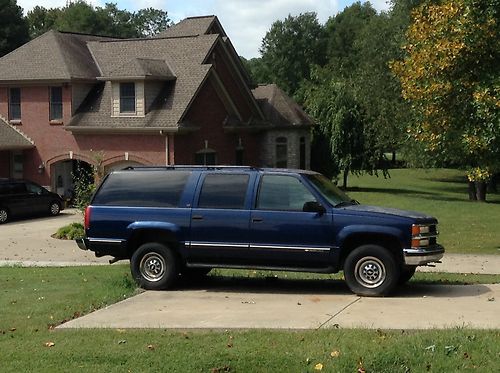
313 206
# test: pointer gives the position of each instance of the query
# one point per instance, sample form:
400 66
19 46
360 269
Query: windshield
330 191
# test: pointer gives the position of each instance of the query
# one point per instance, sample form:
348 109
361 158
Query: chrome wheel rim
152 267
3 216
54 209
370 272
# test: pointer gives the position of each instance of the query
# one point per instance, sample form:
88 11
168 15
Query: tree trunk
481 191
472 191
346 173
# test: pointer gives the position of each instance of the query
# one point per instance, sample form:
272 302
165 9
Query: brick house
182 97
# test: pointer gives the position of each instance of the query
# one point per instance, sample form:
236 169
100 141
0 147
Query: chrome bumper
418 257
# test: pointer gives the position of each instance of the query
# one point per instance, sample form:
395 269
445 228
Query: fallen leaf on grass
12 329
225 368
431 348
318 366
49 344
151 347
335 353
122 341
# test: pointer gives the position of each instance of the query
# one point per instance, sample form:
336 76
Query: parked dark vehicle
25 198
184 221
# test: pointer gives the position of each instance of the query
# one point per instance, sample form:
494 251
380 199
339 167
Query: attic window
127 97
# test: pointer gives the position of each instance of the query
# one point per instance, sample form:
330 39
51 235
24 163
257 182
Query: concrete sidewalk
276 307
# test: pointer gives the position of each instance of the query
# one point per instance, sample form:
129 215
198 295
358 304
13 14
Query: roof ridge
17 130
151 38
196 17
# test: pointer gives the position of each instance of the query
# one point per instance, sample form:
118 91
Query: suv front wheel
154 266
371 270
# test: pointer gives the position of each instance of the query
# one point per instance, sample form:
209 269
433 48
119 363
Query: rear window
142 189
12 188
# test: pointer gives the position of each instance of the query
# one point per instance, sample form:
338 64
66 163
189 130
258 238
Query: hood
389 211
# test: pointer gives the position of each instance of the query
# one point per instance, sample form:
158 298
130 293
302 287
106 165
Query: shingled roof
53 56
184 57
193 26
279 108
13 139
145 68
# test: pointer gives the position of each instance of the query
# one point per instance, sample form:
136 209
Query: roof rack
191 167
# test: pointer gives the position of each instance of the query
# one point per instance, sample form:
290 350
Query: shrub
70 232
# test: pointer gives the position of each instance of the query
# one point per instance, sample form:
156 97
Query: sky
245 21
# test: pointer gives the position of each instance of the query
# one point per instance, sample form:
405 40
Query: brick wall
208 113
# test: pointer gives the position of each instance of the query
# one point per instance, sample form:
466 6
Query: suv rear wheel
371 270
154 266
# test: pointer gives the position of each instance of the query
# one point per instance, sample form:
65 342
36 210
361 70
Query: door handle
197 217
256 220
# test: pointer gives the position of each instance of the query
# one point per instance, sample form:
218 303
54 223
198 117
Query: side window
18 188
281 152
32 188
142 189
56 104
281 192
221 191
15 104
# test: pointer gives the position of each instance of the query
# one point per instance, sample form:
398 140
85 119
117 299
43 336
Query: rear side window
142 189
221 191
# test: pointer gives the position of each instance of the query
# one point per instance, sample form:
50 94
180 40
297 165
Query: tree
13 27
451 77
290 48
341 120
81 17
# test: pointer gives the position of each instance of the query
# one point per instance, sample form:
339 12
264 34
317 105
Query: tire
407 273
371 270
154 266
54 208
4 215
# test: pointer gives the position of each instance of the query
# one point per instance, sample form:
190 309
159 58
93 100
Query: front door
281 233
220 219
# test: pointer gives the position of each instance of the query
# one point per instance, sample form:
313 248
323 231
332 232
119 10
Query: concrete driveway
292 304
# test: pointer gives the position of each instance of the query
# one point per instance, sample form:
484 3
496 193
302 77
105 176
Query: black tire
4 215
154 266
371 270
407 273
54 208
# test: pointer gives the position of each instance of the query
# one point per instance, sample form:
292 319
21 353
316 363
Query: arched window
205 157
281 152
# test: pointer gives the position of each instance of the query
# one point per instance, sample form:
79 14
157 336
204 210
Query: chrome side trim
283 247
216 244
105 240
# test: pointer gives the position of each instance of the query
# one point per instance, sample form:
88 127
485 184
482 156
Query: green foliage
13 27
290 48
84 187
451 77
108 20
70 232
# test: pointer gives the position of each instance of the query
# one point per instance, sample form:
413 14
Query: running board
329 269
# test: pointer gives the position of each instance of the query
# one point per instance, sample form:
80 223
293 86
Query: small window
281 192
205 157
127 97
239 156
142 189
56 105
15 104
281 152
224 191
302 153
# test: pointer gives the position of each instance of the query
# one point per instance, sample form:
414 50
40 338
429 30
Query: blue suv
185 220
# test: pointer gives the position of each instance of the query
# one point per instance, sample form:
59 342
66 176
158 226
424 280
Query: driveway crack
339 312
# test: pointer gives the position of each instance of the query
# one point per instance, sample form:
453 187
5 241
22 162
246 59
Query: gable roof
183 55
279 108
193 26
52 56
13 139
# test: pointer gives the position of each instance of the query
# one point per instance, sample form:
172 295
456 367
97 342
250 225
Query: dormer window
127 98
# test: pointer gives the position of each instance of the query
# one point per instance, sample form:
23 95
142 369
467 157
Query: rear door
281 233
220 218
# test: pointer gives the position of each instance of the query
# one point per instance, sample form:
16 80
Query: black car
22 198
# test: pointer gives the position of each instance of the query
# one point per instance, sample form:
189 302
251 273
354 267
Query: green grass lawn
33 300
465 227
